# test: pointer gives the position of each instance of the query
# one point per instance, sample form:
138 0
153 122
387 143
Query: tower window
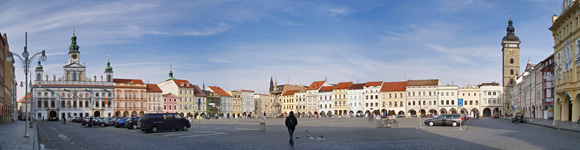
511 81
512 61
512 72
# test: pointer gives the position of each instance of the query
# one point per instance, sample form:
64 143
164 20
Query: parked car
139 123
519 117
445 120
110 121
131 123
87 122
74 119
496 116
164 121
120 122
100 122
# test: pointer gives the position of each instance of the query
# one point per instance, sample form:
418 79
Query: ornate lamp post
26 67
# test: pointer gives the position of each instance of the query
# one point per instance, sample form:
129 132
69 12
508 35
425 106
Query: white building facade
74 93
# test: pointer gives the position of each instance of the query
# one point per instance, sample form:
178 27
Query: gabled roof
315 85
343 85
219 91
128 81
357 86
327 88
375 83
428 82
393 86
22 99
289 92
198 92
183 83
169 94
153 88
247 91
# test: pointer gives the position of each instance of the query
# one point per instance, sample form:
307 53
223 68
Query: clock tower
73 53
511 56
511 65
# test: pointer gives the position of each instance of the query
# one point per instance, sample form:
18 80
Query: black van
164 121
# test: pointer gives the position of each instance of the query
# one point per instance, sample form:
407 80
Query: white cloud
221 27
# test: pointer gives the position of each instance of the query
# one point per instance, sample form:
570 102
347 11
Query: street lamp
26 67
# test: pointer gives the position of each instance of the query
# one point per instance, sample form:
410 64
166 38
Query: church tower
511 56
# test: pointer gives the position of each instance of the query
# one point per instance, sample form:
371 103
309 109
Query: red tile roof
128 81
327 88
153 88
315 85
375 83
357 86
428 82
289 92
22 99
219 91
247 91
198 92
393 86
183 83
343 85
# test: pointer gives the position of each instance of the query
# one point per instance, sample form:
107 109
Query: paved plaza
312 133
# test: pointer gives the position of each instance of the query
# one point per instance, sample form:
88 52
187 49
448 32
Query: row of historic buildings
409 98
549 89
8 105
76 94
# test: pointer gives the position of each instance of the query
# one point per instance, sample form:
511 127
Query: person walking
291 123
63 120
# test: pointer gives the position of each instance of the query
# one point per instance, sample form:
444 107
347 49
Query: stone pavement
12 137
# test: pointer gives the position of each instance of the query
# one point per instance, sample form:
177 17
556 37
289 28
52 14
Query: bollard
262 126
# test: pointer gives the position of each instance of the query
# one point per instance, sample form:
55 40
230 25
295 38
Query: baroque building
566 62
74 93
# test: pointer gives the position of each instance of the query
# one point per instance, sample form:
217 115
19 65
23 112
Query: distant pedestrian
291 123
91 122
63 120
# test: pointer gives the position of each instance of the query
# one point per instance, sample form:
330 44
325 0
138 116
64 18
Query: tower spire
73 48
108 68
170 73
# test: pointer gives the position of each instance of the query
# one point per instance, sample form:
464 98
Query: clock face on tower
74 56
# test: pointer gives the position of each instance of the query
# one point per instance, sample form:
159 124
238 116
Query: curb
555 128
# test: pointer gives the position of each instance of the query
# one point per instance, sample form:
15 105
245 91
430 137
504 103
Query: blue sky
241 44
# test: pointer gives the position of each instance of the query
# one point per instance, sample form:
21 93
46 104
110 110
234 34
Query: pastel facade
355 99
236 103
393 98
288 102
566 51
340 94
419 94
312 97
248 104
131 97
371 97
471 99
170 103
325 100
154 99
491 100
447 97
225 101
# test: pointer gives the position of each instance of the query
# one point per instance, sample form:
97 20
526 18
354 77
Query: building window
512 72
511 61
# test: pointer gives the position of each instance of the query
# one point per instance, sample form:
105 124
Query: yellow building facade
565 29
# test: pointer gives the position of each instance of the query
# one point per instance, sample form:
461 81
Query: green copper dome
39 67
108 68
73 48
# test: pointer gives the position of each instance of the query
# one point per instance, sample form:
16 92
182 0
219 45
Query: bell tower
511 56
